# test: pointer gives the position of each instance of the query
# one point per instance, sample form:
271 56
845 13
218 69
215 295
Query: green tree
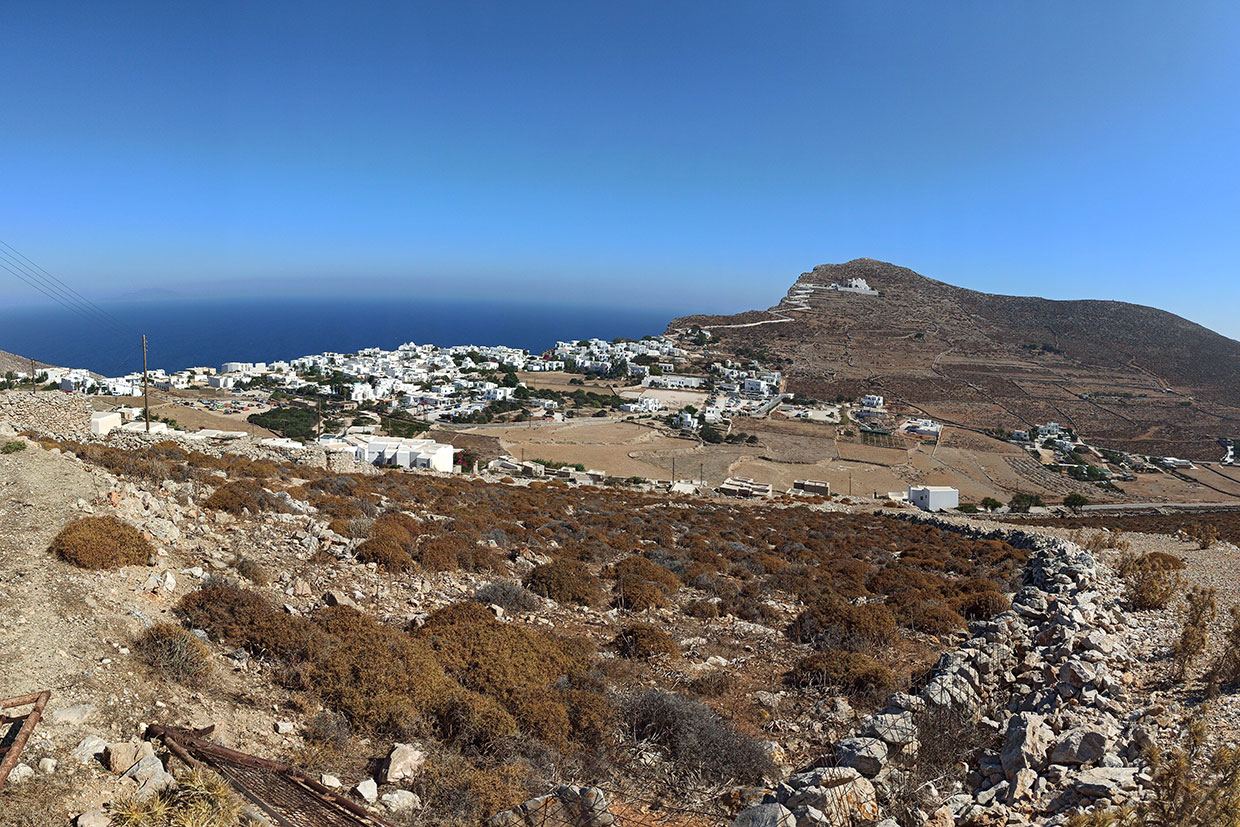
1075 501
990 503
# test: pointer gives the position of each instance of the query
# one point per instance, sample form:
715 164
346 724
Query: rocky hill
1130 376
11 361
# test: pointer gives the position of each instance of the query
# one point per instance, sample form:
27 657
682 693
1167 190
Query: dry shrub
240 496
251 570
713 684
1100 540
400 528
509 595
460 792
101 543
519 667
638 567
644 641
637 595
1203 534
1191 785
447 552
1200 610
175 653
698 744
1151 581
832 624
931 617
384 552
980 605
858 676
1224 672
565 581
1165 561
702 609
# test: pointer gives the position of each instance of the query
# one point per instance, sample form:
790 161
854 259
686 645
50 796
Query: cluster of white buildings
600 356
422 454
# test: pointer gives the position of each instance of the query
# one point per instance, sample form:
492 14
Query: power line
53 296
41 284
56 282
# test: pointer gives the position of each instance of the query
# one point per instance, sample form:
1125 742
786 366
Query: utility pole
32 382
673 470
146 399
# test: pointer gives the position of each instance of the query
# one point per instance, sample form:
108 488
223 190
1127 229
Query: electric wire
54 288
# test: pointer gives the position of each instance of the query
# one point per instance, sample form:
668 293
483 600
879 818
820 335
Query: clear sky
690 155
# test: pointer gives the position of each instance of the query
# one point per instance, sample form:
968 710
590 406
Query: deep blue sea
184 333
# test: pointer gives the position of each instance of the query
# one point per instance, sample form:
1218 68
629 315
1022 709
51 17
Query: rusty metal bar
185 743
39 699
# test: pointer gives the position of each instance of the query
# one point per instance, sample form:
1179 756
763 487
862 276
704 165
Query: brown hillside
1129 376
11 361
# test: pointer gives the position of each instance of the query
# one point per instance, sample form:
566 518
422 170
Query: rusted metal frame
14 751
224 754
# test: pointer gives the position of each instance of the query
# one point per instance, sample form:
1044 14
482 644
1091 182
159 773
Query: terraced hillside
1128 376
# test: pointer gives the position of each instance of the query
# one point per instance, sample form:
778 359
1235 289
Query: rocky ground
1057 697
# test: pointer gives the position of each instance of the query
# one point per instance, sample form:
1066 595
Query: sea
189 333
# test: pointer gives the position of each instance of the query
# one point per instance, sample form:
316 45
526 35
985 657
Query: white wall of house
933 497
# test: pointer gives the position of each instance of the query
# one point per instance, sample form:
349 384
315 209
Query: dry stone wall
1045 681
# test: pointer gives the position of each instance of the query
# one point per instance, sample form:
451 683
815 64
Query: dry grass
101 543
200 799
175 653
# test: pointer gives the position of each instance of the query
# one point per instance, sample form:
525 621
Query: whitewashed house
933 497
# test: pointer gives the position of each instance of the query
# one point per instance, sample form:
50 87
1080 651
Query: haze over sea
184 333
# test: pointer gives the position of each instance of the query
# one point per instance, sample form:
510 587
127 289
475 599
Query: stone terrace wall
55 414
66 417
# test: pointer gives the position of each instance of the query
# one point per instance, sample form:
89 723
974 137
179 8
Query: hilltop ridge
1142 378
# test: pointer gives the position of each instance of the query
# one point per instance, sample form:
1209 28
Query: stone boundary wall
1044 678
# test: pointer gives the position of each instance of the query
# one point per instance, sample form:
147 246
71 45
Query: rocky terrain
1130 377
1045 706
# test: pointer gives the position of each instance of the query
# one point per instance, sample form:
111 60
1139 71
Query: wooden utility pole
146 399
33 384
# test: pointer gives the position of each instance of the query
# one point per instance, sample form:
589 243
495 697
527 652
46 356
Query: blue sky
695 156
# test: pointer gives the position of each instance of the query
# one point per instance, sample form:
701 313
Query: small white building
687 421
645 404
871 400
933 497
497 394
102 422
758 387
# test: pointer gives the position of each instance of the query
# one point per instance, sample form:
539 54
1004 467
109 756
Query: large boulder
124 754
766 815
1084 745
1106 782
1025 746
404 762
842 798
895 729
865 755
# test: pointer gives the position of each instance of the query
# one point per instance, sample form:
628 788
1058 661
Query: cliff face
1142 378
